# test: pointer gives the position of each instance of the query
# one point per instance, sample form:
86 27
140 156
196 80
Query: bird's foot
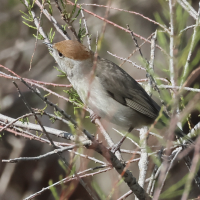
93 117
117 146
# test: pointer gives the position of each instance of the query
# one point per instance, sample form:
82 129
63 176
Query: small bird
110 92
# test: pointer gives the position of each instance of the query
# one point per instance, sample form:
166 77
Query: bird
109 91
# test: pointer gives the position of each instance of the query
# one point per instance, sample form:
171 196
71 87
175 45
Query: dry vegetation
49 149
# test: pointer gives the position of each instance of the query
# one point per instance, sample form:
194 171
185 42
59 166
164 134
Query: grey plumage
112 93
125 89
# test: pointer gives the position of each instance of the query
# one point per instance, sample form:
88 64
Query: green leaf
74 8
58 114
62 166
98 190
59 70
50 7
158 18
27 15
174 190
78 12
51 35
24 120
162 39
29 25
63 5
53 190
39 36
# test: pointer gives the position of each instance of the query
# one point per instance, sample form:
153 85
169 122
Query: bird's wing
124 89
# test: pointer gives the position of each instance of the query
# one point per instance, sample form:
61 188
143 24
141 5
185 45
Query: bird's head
70 53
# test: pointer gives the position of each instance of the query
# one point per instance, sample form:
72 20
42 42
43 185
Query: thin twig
134 51
103 29
152 180
90 192
30 109
178 150
135 143
143 163
61 150
131 12
124 59
67 179
86 29
171 45
125 195
67 21
188 8
179 88
117 26
185 70
98 147
52 20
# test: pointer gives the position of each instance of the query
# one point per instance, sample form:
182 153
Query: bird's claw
93 117
117 146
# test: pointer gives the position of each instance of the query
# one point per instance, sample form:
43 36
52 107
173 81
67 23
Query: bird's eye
60 55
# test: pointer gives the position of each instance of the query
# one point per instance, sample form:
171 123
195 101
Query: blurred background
17 48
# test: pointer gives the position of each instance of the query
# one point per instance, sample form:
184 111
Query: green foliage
1 135
52 119
98 190
73 96
82 31
39 135
24 120
181 48
196 59
46 95
162 39
181 18
131 136
73 12
63 74
62 165
188 119
69 15
50 7
158 18
72 170
63 186
39 36
53 190
30 5
165 9
174 190
29 25
28 17
58 114
64 26
181 43
184 54
63 5
115 187
51 35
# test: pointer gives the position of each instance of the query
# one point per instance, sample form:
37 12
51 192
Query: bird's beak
49 45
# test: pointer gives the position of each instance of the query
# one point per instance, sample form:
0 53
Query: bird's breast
97 98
